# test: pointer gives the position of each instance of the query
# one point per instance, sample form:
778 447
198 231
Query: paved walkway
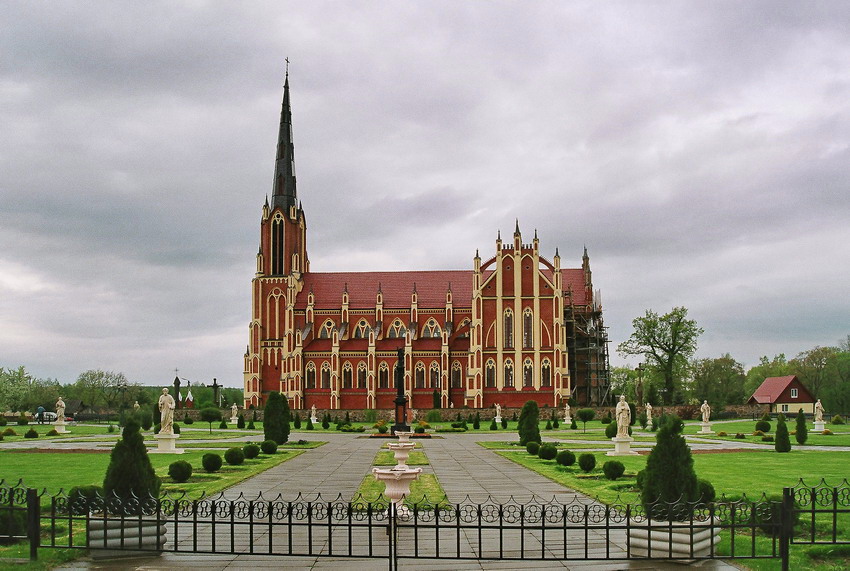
463 469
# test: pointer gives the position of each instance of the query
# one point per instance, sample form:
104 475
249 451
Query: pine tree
276 418
802 433
782 442
669 475
130 473
528 425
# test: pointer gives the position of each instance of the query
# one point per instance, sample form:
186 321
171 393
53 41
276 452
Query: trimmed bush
573 425
269 447
10 432
180 471
188 419
548 425
22 421
3 421
504 422
783 441
326 421
251 451
110 428
12 523
801 434
83 499
240 421
212 462
763 426
766 514
533 448
758 433
493 425
565 458
222 425
251 425
613 469
146 419
767 438
706 491
476 423
740 435
234 456
640 480
611 430
587 461
31 433
130 471
296 421
827 432
547 452
585 415
210 414
837 419
528 425
721 433
670 476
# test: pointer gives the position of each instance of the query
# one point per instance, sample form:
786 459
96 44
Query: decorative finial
287 66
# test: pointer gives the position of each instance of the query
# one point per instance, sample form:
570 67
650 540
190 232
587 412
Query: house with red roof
516 326
784 394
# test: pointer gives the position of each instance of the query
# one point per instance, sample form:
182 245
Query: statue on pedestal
648 414
567 417
705 410
166 406
624 417
234 410
818 411
498 410
60 410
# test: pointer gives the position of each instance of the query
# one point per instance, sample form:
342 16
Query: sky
699 150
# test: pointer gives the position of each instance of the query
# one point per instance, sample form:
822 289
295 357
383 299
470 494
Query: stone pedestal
498 419
401 451
59 426
705 428
314 421
622 446
398 485
820 426
403 436
568 419
166 444
234 419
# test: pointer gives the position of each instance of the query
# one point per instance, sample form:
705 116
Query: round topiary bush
180 471
565 458
740 435
130 474
268 447
613 469
721 433
763 426
212 462
547 452
31 433
52 432
251 451
837 419
533 448
587 461
234 456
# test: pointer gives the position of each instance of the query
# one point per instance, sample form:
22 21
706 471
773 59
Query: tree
210 415
802 432
782 442
14 388
585 415
528 425
100 388
666 343
813 368
276 418
670 481
776 367
130 472
720 381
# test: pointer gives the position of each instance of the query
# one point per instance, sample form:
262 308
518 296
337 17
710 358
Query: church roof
397 287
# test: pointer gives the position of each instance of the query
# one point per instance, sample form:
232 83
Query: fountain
401 449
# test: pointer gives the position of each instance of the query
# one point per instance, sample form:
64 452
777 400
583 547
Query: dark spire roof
283 193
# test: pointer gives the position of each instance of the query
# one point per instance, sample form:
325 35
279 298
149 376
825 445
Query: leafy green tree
585 415
720 381
130 471
666 342
528 425
210 415
14 388
276 418
778 366
97 388
782 442
669 477
801 432
813 369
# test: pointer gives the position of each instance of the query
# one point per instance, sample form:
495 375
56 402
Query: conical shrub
130 472
670 484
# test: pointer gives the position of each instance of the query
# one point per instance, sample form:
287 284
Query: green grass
386 458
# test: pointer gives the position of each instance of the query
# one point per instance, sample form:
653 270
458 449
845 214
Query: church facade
515 327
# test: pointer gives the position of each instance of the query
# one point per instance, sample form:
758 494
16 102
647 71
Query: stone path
463 469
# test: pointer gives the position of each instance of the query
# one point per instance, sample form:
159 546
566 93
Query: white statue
705 410
818 411
60 410
313 411
166 410
234 410
648 414
567 416
136 406
624 417
498 410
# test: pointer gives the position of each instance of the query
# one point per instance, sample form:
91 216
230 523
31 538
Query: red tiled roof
397 287
771 389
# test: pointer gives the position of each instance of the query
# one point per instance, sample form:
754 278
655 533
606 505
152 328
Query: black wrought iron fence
518 529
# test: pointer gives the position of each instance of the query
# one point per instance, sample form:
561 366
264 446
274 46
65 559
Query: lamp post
400 399
639 387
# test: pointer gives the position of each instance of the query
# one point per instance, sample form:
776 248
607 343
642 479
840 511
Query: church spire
283 194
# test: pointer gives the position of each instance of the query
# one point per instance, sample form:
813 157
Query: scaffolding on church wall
587 351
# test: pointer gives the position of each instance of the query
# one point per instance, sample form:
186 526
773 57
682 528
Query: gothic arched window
326 376
384 376
346 376
456 376
435 375
527 329
490 374
361 376
419 376
509 373
396 330
326 330
545 374
527 374
431 329
311 376
509 328
361 330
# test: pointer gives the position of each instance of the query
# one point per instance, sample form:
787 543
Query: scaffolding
587 351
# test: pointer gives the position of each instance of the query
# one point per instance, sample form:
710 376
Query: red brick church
517 326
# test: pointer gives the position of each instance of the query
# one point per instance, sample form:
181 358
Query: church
515 327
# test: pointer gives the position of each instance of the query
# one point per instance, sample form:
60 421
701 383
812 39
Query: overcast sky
700 150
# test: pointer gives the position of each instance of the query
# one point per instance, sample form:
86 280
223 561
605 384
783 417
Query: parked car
48 416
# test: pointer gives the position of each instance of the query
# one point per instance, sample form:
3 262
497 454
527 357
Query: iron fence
517 529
